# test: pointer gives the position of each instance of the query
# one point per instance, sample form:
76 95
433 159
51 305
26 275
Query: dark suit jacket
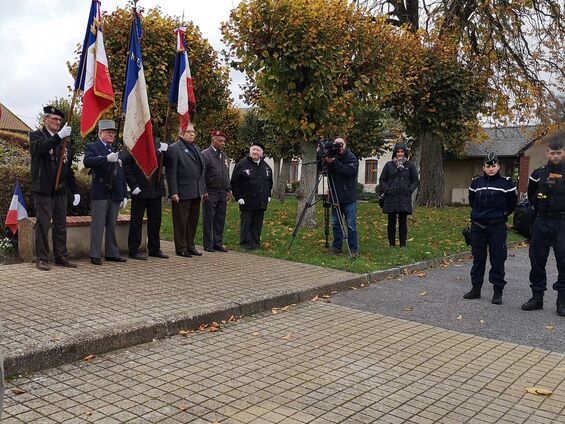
108 179
135 177
216 171
45 150
185 174
253 183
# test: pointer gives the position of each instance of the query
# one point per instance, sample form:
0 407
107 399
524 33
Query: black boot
536 302
497 296
475 293
561 303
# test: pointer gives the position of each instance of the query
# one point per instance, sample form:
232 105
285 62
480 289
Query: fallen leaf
202 327
314 299
288 336
460 317
334 292
256 334
89 357
420 274
539 391
326 296
18 391
482 321
458 278
549 327
275 311
285 308
88 413
185 333
560 369
408 308
56 338
353 288
424 293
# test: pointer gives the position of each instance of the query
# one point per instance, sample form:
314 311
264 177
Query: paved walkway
312 363
50 318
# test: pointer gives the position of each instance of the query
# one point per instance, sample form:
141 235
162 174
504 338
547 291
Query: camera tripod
327 203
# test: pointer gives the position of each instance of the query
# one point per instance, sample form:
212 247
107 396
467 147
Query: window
293 174
371 171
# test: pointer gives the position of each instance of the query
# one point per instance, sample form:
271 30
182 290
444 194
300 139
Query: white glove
124 203
64 132
269 200
76 200
136 191
241 202
163 147
112 157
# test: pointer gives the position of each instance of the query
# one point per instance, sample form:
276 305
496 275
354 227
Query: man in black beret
50 202
251 184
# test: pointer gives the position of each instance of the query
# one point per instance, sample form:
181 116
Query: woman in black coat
398 181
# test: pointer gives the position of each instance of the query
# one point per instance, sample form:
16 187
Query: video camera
329 148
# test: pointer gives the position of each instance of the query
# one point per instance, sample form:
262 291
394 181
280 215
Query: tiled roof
507 141
10 122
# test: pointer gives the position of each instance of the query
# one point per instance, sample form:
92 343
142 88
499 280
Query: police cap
52 110
491 159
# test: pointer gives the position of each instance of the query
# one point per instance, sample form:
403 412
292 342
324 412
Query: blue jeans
349 211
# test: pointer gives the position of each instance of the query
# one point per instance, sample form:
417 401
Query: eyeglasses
56 118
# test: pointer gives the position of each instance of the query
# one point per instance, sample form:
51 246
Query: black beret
52 110
258 145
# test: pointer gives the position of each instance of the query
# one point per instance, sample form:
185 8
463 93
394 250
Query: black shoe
536 302
184 253
159 254
194 252
64 262
497 297
115 259
139 256
561 303
42 265
220 249
334 252
96 261
209 249
475 293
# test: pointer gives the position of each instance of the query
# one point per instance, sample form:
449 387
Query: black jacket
135 177
398 186
253 183
546 189
492 198
342 173
45 150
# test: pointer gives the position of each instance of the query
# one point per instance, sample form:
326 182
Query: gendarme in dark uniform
492 198
251 184
51 204
546 191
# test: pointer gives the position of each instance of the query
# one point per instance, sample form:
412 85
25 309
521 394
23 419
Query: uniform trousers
546 232
214 219
185 220
493 238
251 224
104 215
138 207
50 208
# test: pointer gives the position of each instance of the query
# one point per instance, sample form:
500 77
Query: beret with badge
217 133
52 110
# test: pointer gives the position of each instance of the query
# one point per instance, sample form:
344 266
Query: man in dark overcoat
108 192
146 194
216 193
185 178
251 184
50 202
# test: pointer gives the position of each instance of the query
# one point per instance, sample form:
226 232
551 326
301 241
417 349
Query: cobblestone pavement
313 363
64 310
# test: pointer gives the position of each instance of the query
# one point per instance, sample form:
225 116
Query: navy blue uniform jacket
492 198
108 178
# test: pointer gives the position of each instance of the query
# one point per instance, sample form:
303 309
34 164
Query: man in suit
251 183
51 202
185 177
107 193
216 193
146 194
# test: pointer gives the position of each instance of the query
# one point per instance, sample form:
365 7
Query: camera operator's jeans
349 211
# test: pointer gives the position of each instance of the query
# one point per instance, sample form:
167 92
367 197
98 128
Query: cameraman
341 166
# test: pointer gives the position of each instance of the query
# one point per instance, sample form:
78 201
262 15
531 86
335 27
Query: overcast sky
38 37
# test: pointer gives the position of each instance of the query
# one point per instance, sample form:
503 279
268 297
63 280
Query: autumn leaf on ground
482 321
420 274
18 391
460 317
185 333
275 311
334 292
202 327
549 327
314 299
424 293
88 413
256 333
539 391
214 327
285 308
408 308
56 338
288 336
89 357
326 296
353 288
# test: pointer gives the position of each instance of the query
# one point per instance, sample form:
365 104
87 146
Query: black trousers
185 220
493 239
214 219
50 209
251 224
138 208
402 228
546 232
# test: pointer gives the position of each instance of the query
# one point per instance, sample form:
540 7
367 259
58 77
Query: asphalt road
436 298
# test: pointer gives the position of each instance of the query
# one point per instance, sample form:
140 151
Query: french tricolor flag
17 210
93 77
182 90
138 132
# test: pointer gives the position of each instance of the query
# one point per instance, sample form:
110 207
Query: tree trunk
431 172
416 158
283 178
276 175
307 183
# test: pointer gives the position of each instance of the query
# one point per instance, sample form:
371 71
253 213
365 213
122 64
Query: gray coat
185 173
216 171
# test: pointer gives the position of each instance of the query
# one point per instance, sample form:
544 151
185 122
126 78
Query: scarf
400 163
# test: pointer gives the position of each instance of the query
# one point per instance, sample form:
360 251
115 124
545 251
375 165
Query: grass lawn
432 233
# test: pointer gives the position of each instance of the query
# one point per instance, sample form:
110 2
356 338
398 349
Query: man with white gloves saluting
50 202
108 193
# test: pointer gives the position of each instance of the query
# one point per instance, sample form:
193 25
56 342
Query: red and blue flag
17 210
182 90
